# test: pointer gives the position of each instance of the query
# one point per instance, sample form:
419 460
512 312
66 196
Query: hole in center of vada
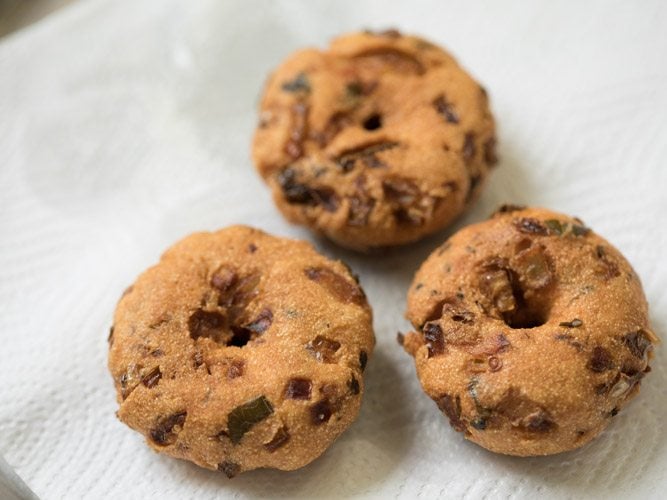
518 292
226 316
527 315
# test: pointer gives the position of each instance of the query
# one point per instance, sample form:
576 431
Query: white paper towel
125 125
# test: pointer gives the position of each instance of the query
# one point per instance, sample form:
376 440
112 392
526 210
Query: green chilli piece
241 419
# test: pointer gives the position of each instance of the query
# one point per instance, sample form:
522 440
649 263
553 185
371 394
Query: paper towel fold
125 125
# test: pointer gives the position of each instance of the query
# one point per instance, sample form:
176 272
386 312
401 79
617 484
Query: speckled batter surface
241 350
531 331
376 141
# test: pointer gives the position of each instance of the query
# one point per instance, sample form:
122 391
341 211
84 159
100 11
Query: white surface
125 125
12 486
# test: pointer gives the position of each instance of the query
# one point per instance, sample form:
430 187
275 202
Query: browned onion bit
508 208
230 469
152 378
321 412
575 323
446 109
262 322
469 148
224 279
435 340
600 360
323 349
638 343
363 360
529 225
163 434
205 324
235 369
353 385
298 388
336 285
279 439
451 407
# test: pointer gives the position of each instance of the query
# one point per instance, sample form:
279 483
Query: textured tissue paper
125 125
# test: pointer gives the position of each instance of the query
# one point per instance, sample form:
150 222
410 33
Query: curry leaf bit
559 228
578 230
354 89
555 226
299 84
484 414
241 419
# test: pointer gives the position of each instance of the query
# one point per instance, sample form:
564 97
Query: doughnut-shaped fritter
377 141
241 350
532 332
